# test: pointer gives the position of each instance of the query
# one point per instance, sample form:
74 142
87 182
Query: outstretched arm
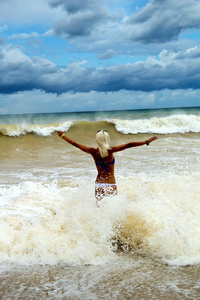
75 144
133 144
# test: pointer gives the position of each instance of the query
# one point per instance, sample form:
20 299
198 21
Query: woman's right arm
84 148
132 144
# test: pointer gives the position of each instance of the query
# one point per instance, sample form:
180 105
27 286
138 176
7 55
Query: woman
105 183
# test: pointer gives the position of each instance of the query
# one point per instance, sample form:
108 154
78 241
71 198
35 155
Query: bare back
105 167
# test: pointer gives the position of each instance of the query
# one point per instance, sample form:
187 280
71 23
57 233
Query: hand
152 139
60 133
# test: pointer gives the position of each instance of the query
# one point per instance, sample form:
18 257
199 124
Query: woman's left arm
84 148
132 144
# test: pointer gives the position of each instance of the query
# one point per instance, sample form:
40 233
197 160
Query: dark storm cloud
170 72
81 17
22 73
80 24
163 20
75 6
160 21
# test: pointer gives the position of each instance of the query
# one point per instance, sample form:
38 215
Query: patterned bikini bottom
105 189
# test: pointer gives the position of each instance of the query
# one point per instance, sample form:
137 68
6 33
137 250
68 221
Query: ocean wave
41 130
164 125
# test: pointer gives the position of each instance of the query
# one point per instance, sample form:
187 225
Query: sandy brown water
178 151
133 277
55 243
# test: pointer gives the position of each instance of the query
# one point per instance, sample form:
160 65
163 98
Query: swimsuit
104 185
104 165
105 189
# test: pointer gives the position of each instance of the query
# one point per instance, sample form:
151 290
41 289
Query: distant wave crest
164 125
42 130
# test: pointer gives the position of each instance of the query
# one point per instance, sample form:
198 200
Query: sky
88 55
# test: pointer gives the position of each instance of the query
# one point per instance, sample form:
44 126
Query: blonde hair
103 141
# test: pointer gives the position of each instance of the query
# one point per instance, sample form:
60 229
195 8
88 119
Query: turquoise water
95 116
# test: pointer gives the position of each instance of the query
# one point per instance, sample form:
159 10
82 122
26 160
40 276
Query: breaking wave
163 125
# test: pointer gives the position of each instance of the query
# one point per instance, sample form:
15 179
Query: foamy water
49 223
172 124
42 130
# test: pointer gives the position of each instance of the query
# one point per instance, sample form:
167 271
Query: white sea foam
42 130
48 223
163 125
164 218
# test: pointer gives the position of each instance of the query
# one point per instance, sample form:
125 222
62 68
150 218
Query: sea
144 243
